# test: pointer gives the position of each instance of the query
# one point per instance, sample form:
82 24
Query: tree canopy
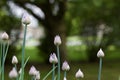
70 17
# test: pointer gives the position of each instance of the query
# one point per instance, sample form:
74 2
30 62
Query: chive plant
53 59
26 22
65 68
4 50
100 55
33 72
57 42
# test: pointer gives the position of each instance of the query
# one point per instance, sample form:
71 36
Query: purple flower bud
13 73
65 66
53 58
32 71
26 19
57 40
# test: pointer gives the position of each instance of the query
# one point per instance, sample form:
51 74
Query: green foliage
80 14
7 22
92 11
89 14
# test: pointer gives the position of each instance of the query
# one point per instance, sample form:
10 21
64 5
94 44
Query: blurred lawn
33 53
76 51
111 64
110 71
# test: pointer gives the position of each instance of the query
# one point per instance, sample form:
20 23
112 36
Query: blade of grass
24 66
49 73
26 61
6 52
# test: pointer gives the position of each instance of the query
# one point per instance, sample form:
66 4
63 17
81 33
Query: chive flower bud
53 58
65 66
57 40
64 78
25 19
79 74
13 73
14 60
37 77
32 71
100 54
5 36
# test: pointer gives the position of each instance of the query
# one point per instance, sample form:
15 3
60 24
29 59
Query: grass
33 53
76 51
110 70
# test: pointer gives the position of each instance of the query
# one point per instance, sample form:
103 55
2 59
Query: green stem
100 69
3 53
65 74
16 69
23 52
53 74
49 73
0 60
58 54
32 78
6 51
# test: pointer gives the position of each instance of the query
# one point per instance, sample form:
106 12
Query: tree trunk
52 29
92 53
53 23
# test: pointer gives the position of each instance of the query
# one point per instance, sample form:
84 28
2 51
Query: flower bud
53 58
13 73
32 71
37 77
100 53
65 66
79 74
57 40
14 60
5 36
65 78
25 19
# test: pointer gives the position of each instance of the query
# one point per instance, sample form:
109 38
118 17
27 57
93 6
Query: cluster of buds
34 73
13 73
53 58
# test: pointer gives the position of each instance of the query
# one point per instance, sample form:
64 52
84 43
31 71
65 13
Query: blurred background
85 26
